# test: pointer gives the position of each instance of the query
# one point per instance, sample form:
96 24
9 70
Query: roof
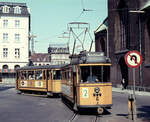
103 26
145 5
12 4
40 67
24 9
40 57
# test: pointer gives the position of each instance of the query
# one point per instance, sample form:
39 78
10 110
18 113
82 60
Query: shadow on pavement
2 88
123 115
92 111
144 113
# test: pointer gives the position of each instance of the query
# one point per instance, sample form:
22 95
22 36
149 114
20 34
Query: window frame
5 37
5 23
6 9
17 53
5 52
17 10
17 37
17 23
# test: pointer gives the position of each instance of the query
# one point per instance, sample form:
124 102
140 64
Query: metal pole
107 43
134 98
140 41
134 83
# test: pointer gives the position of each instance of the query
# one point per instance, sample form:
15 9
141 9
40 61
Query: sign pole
134 83
133 107
133 59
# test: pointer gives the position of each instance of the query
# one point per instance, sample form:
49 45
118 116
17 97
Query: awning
7 70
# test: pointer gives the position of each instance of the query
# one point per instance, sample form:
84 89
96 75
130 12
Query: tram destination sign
133 59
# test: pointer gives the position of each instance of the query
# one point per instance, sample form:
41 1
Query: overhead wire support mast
31 37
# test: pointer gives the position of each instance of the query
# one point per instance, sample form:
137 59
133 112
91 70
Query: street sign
133 59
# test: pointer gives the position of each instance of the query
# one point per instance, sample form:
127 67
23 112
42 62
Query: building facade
14 37
39 59
128 29
59 54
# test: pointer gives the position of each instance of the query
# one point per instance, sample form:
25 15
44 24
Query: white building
14 36
59 54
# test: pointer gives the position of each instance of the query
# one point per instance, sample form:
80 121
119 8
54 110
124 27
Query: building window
17 53
5 23
5 36
17 10
6 9
17 23
17 37
5 52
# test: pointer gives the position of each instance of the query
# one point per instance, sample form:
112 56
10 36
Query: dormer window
17 10
6 9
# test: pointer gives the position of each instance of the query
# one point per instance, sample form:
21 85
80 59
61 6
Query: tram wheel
100 110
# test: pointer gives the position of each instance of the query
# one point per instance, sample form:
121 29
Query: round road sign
133 59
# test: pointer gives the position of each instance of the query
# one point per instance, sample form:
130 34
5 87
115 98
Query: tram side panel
33 81
67 84
54 81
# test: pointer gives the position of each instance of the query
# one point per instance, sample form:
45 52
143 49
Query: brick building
128 29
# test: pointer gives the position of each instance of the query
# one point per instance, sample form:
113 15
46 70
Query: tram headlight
97 90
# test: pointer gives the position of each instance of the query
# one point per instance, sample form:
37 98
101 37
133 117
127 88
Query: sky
49 18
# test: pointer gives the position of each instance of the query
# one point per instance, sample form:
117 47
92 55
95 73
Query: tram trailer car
86 81
43 79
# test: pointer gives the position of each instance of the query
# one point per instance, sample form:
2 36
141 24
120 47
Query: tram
44 79
86 81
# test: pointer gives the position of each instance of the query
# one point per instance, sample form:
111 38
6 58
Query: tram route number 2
85 93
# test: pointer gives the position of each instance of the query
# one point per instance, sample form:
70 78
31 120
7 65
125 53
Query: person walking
123 84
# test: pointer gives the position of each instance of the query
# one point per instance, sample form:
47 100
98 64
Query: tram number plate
85 93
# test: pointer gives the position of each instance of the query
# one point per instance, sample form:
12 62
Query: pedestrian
123 83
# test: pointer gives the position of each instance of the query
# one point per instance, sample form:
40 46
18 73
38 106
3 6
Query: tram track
73 117
95 119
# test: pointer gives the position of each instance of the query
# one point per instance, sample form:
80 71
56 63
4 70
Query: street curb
130 91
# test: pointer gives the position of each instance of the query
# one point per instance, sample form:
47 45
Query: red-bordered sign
133 59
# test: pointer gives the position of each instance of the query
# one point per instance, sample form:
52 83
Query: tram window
18 75
44 75
91 74
65 76
31 75
106 76
56 75
48 74
38 75
70 75
23 75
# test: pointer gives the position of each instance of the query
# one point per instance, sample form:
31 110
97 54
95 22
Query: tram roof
40 67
